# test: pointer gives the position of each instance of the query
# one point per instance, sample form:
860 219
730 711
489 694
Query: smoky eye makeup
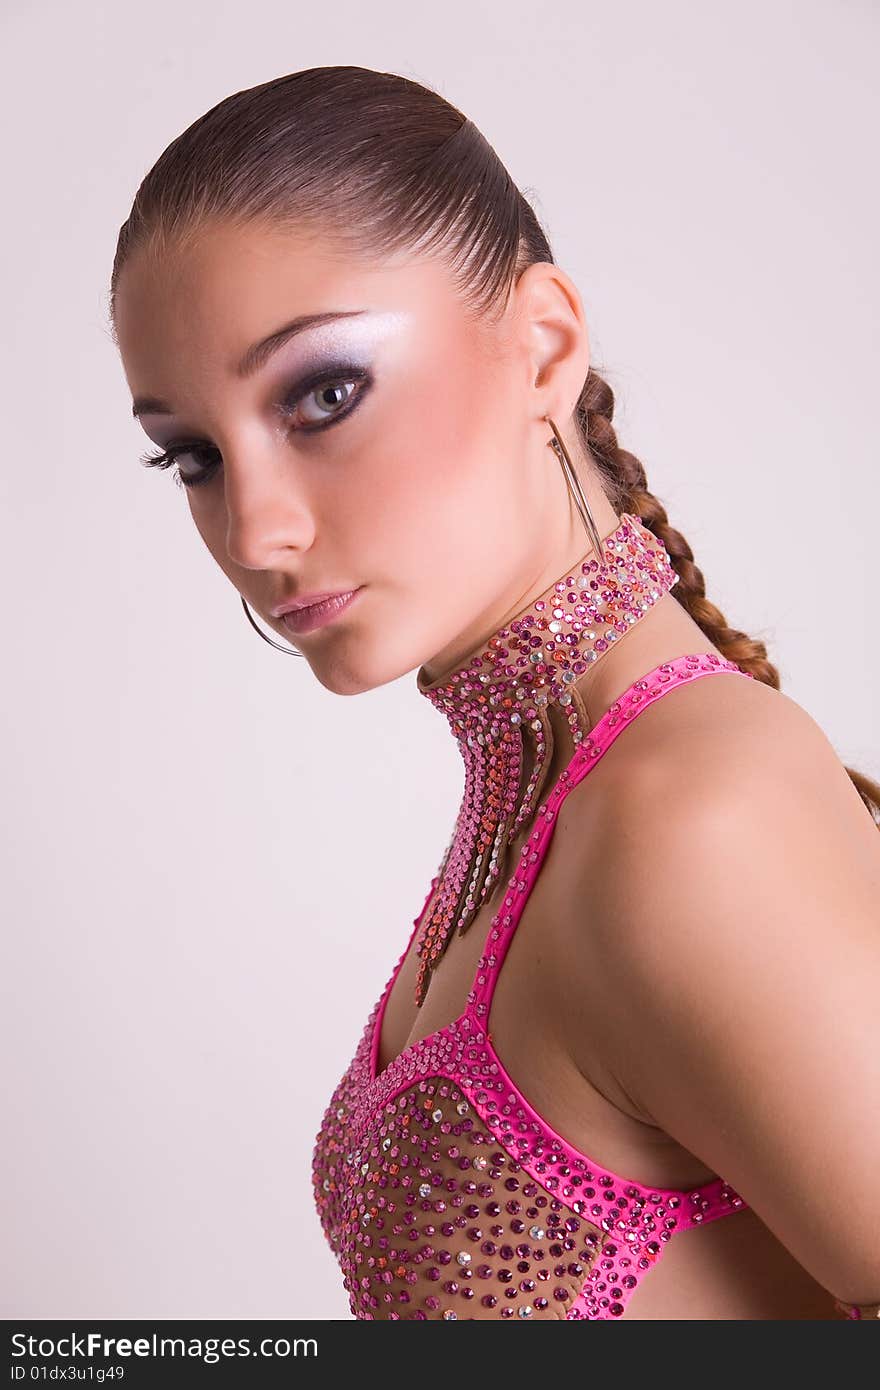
328 380
342 351
328 372
347 349
312 369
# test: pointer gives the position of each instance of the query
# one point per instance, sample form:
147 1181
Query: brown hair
383 164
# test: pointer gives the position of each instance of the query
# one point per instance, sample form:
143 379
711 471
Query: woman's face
392 447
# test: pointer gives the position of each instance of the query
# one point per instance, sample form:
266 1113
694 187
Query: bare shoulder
710 743
723 809
716 740
723 763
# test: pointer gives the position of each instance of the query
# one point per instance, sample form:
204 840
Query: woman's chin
342 676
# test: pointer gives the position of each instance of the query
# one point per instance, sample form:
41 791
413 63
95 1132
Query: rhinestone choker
504 690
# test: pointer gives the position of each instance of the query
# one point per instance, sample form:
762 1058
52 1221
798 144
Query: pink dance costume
440 1189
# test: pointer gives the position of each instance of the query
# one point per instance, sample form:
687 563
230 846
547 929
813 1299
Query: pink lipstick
299 620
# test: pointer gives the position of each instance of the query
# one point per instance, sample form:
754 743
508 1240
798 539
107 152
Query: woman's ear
553 337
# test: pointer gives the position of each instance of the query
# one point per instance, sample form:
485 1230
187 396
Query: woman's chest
535 1028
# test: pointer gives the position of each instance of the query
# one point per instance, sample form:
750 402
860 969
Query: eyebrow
256 356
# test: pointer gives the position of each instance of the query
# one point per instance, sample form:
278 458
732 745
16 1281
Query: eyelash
346 376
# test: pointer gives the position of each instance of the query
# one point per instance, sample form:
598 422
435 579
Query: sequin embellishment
502 694
443 1193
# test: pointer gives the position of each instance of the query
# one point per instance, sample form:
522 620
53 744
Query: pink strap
637 698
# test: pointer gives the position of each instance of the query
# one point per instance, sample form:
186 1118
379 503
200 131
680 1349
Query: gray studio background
197 836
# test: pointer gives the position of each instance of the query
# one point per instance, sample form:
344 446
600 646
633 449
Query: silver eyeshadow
354 334
354 342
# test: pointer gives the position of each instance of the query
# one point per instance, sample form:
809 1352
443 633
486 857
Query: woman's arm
739 935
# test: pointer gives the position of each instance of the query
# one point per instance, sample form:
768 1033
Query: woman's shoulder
715 737
722 756
721 803
709 740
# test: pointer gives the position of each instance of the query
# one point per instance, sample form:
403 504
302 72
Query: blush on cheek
428 487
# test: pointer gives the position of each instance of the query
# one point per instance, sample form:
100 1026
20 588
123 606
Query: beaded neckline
504 691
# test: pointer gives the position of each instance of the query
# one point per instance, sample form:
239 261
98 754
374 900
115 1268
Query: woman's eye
182 451
329 399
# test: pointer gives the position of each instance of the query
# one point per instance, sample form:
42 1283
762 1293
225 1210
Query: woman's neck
656 627
521 702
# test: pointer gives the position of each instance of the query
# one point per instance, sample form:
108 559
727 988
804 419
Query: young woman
623 1065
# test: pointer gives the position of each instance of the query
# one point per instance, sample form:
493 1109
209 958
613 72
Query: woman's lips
300 620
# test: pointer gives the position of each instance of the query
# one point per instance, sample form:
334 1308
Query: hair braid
626 484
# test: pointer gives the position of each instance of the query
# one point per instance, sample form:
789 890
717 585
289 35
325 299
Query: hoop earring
288 651
575 489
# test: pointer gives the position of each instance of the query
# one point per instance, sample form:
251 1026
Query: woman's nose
267 509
